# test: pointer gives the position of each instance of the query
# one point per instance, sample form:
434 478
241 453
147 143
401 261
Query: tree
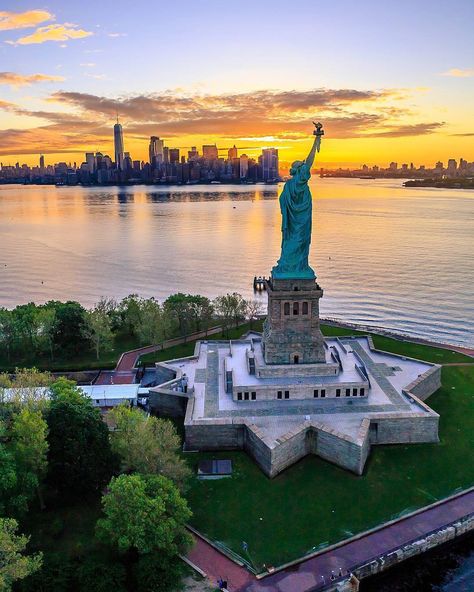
130 312
46 319
179 308
230 309
12 501
28 387
202 311
99 326
158 573
70 329
7 331
148 444
14 565
80 460
144 513
30 446
99 575
26 317
252 309
57 573
154 322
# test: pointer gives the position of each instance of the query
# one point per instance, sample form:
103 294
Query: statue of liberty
296 211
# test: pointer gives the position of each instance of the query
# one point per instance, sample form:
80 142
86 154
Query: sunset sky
390 80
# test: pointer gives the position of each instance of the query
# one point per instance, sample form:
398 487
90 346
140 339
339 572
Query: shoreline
468 351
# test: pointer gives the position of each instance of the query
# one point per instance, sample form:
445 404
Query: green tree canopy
179 308
156 572
154 324
129 311
99 326
7 331
99 575
30 446
144 513
80 459
202 311
14 564
70 328
148 444
230 309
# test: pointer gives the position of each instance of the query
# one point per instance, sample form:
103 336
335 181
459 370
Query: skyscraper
155 150
118 145
244 166
232 153
90 160
210 152
41 163
270 164
193 154
174 155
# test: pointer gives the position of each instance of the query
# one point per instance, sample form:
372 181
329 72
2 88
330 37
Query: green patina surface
315 503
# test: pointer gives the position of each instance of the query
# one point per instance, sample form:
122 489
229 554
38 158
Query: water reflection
399 258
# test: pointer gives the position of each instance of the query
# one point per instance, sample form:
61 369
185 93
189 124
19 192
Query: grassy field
405 348
314 503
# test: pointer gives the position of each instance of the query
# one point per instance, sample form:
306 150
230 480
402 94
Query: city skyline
403 95
170 165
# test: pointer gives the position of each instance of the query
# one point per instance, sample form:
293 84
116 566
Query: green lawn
315 503
405 348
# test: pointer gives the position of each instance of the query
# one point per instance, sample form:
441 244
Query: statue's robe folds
296 211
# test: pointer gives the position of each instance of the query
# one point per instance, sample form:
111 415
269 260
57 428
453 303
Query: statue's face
295 166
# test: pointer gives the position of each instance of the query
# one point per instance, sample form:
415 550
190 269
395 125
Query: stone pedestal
291 332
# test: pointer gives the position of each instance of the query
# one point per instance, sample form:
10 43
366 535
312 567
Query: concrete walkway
125 371
314 573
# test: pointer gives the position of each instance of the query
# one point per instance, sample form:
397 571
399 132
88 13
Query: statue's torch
319 133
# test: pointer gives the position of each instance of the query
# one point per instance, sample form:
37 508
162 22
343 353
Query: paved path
315 572
459 364
125 370
216 566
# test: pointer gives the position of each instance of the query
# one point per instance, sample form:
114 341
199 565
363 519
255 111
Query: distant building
174 155
244 166
452 166
270 164
210 152
155 150
118 145
90 160
232 153
41 164
393 166
193 154
127 162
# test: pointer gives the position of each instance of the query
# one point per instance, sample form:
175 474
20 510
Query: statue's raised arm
318 134
296 213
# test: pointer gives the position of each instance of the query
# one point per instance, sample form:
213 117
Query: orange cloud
459 73
23 20
281 117
56 32
16 80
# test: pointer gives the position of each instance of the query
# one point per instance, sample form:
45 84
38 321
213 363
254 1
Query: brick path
216 565
307 575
